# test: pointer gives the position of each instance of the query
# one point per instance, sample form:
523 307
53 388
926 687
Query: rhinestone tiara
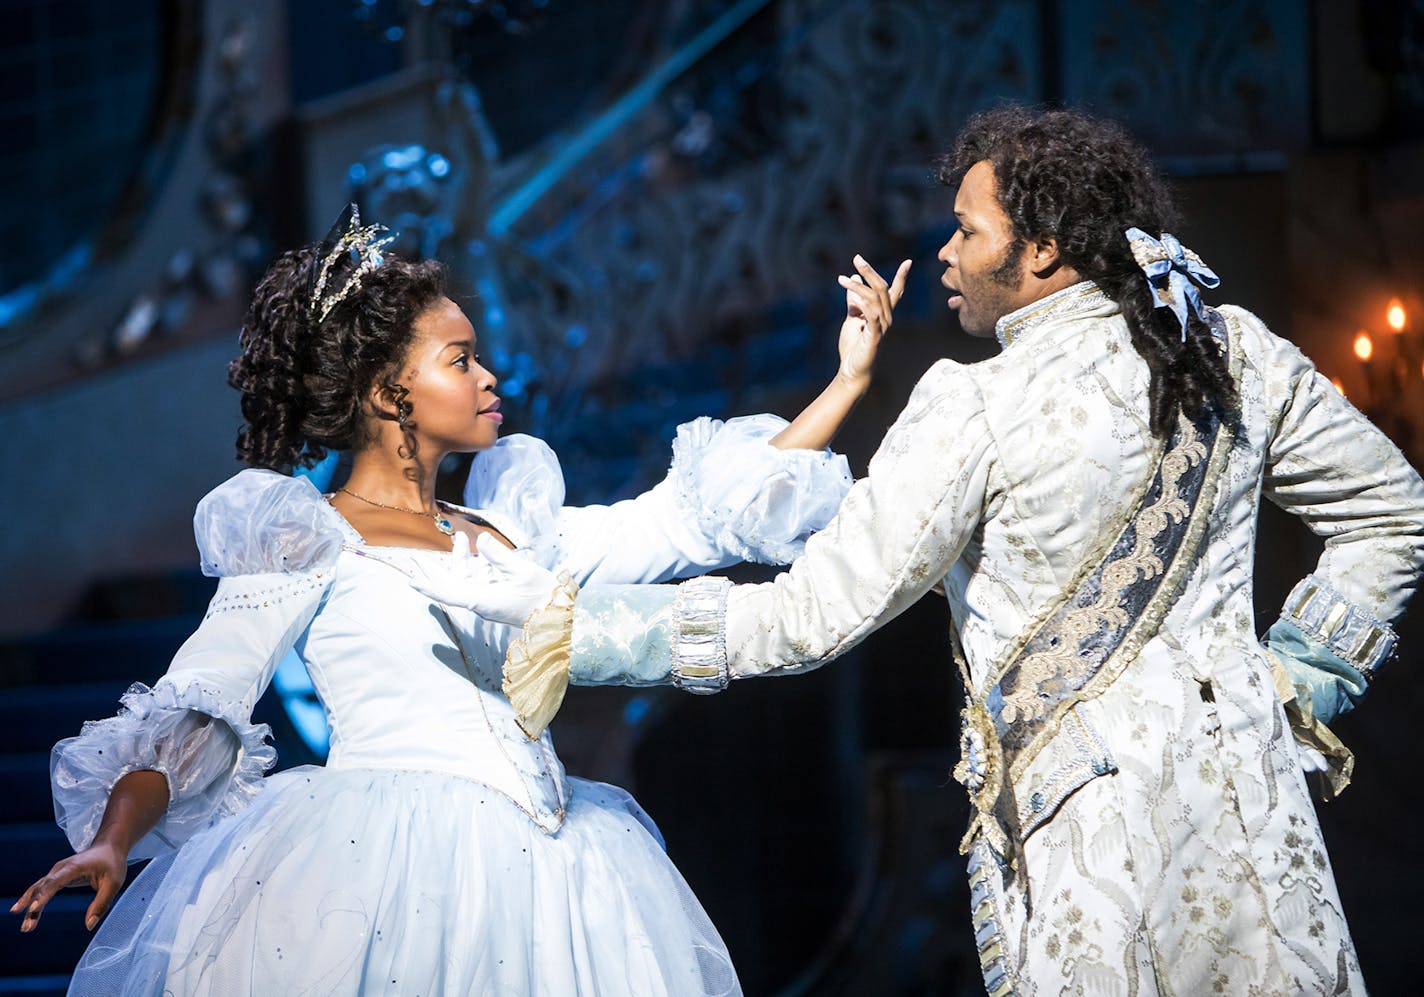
365 245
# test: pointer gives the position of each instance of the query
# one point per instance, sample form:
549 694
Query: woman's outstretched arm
137 802
870 303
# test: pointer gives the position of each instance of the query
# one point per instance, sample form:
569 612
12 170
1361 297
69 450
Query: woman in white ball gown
440 850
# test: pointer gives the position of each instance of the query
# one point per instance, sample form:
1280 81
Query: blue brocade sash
1096 628
1076 649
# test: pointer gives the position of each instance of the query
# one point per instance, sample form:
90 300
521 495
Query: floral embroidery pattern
1089 636
1038 682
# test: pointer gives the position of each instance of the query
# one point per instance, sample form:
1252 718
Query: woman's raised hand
103 866
870 303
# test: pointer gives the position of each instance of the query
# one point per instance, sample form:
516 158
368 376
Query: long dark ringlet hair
1085 181
305 381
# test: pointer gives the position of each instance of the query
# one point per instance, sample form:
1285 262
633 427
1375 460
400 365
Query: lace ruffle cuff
212 757
1309 732
623 635
699 642
536 666
1347 630
631 635
1325 683
751 499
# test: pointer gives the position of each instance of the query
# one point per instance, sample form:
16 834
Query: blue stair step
50 985
24 787
30 849
54 947
176 593
129 651
32 718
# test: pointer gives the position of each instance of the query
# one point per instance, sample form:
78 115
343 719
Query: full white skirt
362 881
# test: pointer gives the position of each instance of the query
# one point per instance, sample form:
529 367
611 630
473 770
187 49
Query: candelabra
1391 362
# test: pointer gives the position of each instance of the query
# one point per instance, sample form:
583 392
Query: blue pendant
444 526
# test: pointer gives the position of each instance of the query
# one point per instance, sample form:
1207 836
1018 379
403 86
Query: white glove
1311 760
511 588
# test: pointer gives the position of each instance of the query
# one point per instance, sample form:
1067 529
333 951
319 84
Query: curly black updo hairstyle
1085 181
304 380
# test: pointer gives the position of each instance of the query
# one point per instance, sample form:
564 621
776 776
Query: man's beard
1009 270
993 299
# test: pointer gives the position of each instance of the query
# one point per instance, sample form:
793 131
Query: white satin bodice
408 684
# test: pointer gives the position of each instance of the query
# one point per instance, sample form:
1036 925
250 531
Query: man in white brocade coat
1088 501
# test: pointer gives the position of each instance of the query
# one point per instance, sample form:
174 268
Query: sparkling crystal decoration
364 245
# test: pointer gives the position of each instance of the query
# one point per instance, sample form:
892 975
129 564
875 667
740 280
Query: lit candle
1394 315
1338 386
1364 346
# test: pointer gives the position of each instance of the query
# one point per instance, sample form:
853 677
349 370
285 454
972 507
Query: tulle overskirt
363 881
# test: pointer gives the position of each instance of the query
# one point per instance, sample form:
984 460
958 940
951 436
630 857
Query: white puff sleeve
272 541
729 496
751 499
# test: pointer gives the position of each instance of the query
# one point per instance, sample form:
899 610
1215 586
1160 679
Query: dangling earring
399 399
399 394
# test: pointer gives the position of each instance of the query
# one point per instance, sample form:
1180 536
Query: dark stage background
645 205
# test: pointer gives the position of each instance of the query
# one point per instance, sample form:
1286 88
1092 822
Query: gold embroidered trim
996 816
1011 326
1064 660
1346 629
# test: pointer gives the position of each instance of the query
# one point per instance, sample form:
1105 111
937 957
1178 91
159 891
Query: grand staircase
50 685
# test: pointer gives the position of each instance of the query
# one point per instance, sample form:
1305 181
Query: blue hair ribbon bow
1174 272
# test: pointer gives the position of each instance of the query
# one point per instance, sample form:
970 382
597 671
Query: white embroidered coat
1176 849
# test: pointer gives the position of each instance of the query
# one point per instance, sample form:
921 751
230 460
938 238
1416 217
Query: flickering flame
1364 346
1338 386
1395 315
